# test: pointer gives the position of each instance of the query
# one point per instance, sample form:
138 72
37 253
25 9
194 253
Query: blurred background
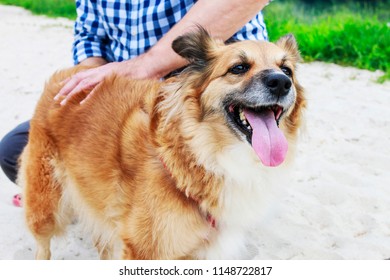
346 32
354 33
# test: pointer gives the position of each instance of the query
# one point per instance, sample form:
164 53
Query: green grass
52 8
344 34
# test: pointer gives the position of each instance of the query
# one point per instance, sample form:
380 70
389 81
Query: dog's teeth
242 116
243 119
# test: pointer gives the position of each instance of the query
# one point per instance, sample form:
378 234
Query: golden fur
146 163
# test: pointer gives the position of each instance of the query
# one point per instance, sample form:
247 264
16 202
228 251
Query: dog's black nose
278 84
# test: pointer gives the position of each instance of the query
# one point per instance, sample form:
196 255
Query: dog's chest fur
244 196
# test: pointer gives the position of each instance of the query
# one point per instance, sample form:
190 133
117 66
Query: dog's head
248 88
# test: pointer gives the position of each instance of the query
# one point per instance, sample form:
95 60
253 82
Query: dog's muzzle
257 110
278 84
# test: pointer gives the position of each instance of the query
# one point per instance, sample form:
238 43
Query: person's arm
93 61
90 38
221 18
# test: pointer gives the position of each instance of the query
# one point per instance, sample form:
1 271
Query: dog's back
97 159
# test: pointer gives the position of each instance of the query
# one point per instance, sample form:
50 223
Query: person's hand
136 68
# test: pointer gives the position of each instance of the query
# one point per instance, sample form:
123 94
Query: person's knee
7 159
5 152
11 146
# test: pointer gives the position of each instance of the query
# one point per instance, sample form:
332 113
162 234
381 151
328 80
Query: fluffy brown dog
170 170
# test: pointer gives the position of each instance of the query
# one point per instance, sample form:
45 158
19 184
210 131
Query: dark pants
11 147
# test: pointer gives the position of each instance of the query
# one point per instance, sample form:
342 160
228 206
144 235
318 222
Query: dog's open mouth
260 125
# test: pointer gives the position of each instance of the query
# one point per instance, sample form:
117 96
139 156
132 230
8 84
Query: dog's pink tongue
268 140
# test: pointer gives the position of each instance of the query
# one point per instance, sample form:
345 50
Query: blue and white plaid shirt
122 29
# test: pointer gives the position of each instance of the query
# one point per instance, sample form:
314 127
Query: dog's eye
239 69
286 71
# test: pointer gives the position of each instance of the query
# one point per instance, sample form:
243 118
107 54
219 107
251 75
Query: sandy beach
337 206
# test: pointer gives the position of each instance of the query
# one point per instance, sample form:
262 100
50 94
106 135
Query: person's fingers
64 82
88 96
85 84
84 81
70 84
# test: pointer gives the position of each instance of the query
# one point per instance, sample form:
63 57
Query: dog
173 169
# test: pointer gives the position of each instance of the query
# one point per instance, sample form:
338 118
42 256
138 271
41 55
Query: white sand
336 207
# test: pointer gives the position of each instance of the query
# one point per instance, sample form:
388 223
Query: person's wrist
162 61
151 65
139 67
93 61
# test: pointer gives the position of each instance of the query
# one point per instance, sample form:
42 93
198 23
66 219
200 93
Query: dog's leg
41 195
43 248
127 251
106 251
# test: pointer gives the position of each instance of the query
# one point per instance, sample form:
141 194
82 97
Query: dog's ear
196 47
290 45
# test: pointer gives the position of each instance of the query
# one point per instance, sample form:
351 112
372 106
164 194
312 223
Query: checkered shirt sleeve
122 29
